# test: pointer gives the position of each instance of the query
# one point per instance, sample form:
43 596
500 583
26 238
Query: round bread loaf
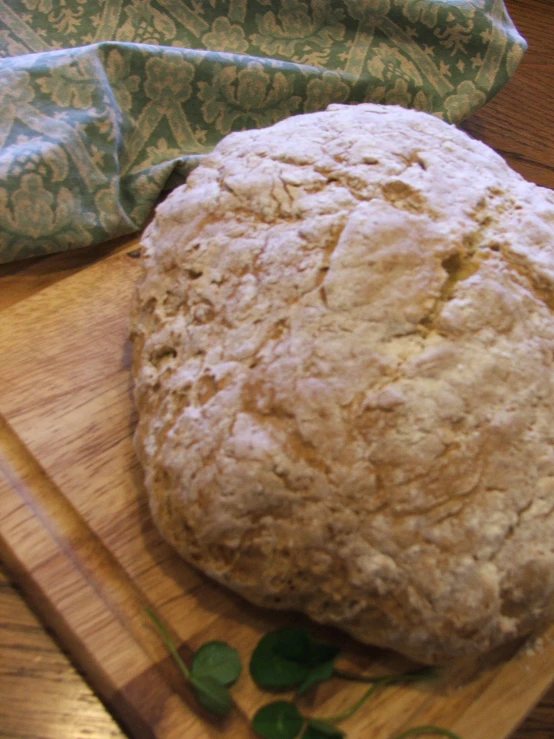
344 346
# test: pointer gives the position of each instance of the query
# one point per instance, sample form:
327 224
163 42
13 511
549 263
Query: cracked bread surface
343 363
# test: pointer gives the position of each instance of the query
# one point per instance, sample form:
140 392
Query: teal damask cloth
105 103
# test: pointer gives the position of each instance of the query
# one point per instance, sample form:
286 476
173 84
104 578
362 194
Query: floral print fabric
104 103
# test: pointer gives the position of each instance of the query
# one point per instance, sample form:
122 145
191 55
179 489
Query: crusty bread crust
343 368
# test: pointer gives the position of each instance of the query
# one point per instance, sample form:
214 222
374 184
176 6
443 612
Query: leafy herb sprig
290 658
283 659
215 666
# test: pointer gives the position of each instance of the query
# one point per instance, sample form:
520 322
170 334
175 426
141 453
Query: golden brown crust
343 361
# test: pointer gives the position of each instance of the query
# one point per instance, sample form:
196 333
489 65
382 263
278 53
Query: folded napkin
105 103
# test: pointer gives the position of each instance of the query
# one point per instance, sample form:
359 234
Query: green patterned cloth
104 103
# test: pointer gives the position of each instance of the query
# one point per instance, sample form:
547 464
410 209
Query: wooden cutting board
75 528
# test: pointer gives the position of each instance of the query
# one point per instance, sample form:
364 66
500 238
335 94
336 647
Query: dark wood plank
43 695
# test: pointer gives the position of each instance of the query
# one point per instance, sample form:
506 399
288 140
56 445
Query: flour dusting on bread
344 343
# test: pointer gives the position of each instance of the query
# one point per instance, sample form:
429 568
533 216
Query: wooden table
41 692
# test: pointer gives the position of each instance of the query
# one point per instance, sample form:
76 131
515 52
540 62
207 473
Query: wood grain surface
31 664
76 531
116 565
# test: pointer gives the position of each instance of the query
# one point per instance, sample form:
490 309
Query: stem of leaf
426 673
379 682
168 642
436 730
353 708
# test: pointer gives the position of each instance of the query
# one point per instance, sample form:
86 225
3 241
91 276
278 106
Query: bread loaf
343 362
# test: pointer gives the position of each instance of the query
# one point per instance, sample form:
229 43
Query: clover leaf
316 674
278 720
214 666
288 657
218 660
212 694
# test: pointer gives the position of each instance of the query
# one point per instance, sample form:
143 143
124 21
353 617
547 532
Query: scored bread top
343 362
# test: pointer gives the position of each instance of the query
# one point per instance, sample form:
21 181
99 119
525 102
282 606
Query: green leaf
269 666
218 660
321 730
316 675
294 643
297 645
288 656
278 720
212 694
321 653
